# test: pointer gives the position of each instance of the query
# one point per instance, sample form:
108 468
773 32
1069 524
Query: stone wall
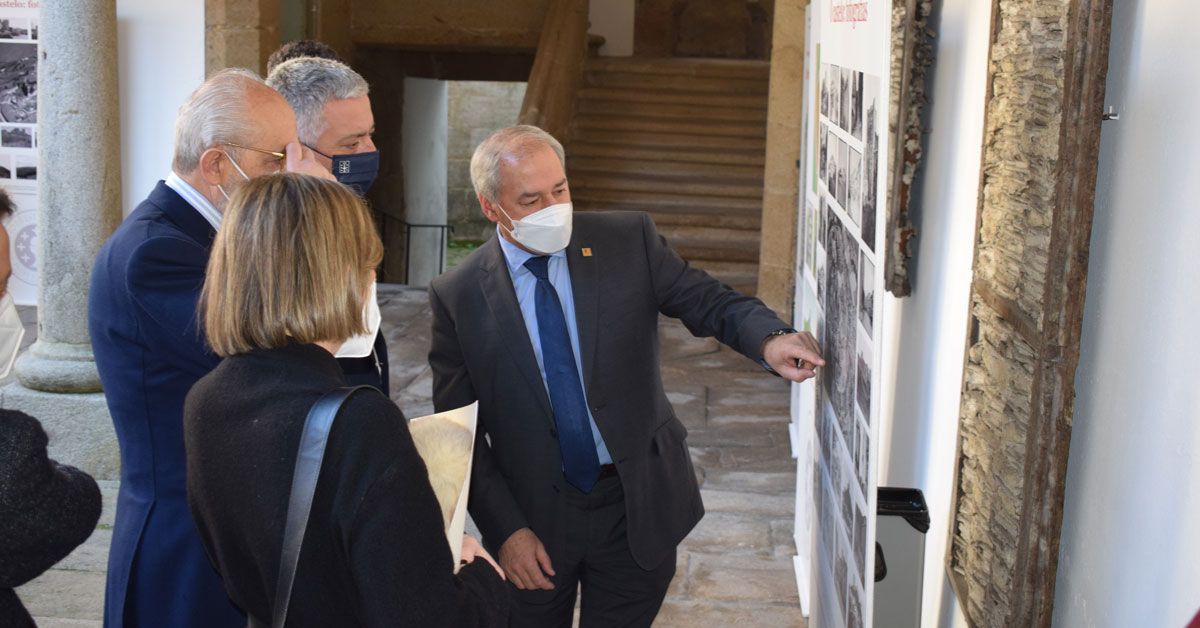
448 24
735 29
477 108
240 33
781 180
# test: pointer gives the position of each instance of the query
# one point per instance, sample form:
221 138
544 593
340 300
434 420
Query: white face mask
360 346
546 231
240 171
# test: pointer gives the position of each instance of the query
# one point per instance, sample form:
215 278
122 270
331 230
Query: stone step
607 123
672 141
671 203
718 190
716 157
704 110
736 68
667 170
712 244
668 213
754 102
698 85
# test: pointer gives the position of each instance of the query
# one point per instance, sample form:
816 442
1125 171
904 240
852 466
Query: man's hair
514 142
293 259
307 83
301 48
6 205
216 112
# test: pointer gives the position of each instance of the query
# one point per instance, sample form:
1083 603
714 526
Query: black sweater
374 553
46 510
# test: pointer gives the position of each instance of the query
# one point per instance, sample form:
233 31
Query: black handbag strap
304 484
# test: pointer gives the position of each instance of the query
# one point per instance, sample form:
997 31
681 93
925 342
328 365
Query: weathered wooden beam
1047 66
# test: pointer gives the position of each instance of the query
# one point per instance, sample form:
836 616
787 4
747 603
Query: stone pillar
79 206
781 180
425 134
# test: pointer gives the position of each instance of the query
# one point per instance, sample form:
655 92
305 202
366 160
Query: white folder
446 442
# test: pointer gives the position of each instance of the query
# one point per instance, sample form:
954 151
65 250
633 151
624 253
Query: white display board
838 297
18 141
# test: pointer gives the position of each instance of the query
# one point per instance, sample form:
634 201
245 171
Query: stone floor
734 569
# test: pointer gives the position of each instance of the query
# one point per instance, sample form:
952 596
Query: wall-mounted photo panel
18 141
847 139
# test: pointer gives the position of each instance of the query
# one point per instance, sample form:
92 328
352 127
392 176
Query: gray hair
216 112
308 83
515 142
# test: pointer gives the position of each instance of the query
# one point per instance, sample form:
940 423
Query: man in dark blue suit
334 119
149 349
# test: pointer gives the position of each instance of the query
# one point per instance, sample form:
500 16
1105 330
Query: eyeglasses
282 157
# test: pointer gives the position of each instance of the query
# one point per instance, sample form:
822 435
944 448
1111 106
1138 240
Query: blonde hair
293 257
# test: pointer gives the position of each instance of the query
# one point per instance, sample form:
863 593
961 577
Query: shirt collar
516 256
194 198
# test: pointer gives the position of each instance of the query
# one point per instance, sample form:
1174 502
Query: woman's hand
472 549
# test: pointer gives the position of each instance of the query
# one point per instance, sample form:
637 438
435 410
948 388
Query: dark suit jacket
46 510
149 351
481 351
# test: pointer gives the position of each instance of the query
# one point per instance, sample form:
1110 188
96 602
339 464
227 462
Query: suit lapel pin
587 251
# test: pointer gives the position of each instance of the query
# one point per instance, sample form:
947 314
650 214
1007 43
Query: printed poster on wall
841 222
18 141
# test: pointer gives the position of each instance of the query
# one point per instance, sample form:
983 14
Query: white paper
12 331
446 442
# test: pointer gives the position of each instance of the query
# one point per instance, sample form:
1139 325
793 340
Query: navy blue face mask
357 171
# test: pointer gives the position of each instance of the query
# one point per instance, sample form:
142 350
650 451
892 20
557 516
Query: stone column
79 206
781 179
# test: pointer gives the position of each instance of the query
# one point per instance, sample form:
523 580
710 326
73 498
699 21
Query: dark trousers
595 555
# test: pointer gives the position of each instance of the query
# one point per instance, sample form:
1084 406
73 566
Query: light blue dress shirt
525 283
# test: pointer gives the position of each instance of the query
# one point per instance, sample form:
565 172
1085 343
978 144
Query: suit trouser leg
595 554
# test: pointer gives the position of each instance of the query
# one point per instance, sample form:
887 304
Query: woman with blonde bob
290 269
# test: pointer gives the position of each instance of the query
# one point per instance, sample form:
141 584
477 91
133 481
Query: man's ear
488 208
212 164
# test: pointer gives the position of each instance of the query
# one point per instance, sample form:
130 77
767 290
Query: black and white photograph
33 28
843 173
25 166
866 293
15 28
823 155
835 95
841 314
860 544
5 167
16 136
18 83
844 115
810 242
831 164
871 159
823 85
863 379
856 106
854 202
820 275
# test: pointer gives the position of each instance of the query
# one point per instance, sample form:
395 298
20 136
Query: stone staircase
683 139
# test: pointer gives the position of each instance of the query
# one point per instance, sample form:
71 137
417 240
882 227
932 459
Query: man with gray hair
334 119
582 479
149 349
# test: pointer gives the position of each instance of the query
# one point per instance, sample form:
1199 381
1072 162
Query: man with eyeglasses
334 119
149 349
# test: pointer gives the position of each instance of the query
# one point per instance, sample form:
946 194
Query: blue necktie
581 466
